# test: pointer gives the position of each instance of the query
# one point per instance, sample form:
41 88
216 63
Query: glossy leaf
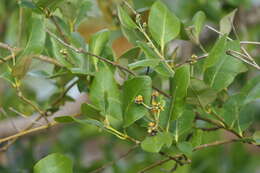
182 124
198 22
222 74
35 45
90 111
236 114
216 52
162 68
179 86
50 4
200 93
154 144
196 137
141 85
56 163
69 119
226 22
185 147
144 63
163 24
97 44
251 90
125 19
104 89
36 40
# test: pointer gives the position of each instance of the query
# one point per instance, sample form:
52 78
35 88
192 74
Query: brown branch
26 132
63 94
48 60
113 162
80 50
52 18
216 143
216 123
191 60
155 164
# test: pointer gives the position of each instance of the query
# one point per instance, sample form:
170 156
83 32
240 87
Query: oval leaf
125 19
163 24
54 163
141 85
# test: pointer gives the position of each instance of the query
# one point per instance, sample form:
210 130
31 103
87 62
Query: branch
69 108
216 143
80 50
238 54
113 162
155 164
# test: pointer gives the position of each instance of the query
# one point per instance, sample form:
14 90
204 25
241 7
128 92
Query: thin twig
113 162
155 164
190 60
216 143
216 123
63 94
237 55
52 18
80 50
250 42
48 60
25 132
208 129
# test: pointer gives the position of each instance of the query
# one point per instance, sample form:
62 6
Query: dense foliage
171 80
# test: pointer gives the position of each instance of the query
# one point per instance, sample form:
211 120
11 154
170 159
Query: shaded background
86 145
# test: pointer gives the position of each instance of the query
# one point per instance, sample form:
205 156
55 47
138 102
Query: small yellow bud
139 99
155 94
151 124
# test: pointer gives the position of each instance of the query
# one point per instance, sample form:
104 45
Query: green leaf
251 90
8 77
226 22
236 114
154 144
179 86
97 44
256 137
64 119
130 54
30 5
104 89
36 40
196 138
21 67
69 119
56 163
163 24
185 147
90 111
132 35
35 45
198 22
222 74
141 85
144 63
182 124
50 4
125 19
216 52
163 68
200 93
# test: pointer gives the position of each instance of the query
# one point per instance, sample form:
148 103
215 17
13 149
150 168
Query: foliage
168 106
